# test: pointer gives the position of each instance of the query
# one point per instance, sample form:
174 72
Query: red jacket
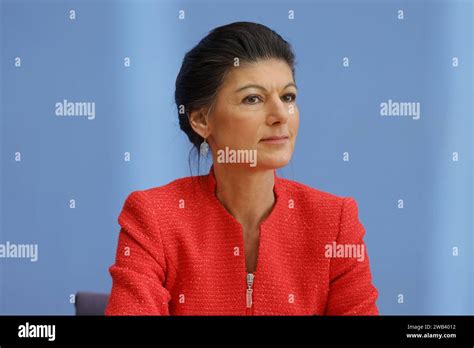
181 253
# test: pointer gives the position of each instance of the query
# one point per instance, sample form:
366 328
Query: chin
274 162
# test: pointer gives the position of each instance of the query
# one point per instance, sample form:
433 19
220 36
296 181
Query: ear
199 121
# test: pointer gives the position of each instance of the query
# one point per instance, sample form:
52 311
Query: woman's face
244 116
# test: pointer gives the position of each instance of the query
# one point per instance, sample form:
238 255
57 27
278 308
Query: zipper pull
250 277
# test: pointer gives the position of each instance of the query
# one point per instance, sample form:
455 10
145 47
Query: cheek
237 131
294 122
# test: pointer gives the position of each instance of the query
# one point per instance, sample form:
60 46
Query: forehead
271 73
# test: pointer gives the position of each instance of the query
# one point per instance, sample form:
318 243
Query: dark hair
205 67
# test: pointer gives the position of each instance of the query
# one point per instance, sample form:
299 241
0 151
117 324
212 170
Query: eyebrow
262 88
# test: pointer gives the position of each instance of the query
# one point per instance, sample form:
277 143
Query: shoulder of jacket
173 188
308 193
161 194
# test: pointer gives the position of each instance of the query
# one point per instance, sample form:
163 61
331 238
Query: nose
278 111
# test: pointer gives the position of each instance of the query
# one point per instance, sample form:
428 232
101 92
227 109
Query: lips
277 137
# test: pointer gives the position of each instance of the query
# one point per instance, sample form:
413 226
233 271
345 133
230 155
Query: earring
204 148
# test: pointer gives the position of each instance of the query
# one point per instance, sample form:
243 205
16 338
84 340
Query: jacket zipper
250 277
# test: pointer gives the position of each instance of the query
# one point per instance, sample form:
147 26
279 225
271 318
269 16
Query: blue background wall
391 158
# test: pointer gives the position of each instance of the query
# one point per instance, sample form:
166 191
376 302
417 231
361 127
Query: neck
246 193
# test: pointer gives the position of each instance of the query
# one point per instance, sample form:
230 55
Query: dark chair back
91 303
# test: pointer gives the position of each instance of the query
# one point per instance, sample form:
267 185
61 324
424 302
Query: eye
251 98
292 95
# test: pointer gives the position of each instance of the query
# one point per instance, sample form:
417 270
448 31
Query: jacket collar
274 215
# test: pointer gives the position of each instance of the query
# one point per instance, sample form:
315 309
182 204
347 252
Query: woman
240 240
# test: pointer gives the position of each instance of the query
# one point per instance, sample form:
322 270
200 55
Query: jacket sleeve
351 291
140 266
